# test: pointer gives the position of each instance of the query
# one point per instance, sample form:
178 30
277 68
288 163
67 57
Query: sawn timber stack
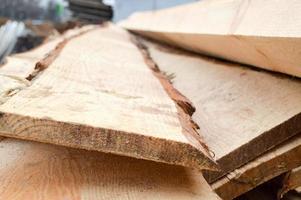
241 113
264 34
81 96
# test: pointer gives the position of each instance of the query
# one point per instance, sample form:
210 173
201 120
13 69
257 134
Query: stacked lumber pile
101 113
257 33
249 119
92 11
126 117
243 127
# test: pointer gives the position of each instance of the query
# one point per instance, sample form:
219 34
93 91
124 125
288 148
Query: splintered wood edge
256 147
52 55
105 140
193 155
184 106
259 171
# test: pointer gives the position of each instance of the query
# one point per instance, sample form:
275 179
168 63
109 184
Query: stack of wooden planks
242 127
148 120
258 33
100 113
249 118
91 11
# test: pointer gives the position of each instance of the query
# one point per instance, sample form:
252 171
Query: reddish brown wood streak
184 105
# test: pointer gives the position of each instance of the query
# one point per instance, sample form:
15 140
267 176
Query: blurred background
25 24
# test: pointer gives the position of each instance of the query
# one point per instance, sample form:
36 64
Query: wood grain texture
36 171
99 94
241 113
291 181
265 34
14 73
22 64
269 165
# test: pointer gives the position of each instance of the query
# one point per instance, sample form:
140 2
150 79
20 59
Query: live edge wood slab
241 113
98 90
35 171
264 34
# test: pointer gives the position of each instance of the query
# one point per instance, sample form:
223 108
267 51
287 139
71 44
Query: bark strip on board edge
75 134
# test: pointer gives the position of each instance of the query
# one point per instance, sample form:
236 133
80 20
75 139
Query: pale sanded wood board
99 93
34 171
241 113
265 34
275 162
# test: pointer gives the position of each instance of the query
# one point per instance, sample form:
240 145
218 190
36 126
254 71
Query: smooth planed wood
35 171
265 34
269 165
98 93
241 113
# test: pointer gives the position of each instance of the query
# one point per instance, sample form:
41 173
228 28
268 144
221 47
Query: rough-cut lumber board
34 171
270 165
91 96
265 34
241 112
18 67
291 181
22 64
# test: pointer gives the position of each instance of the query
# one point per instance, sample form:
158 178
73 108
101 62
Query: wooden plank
90 4
270 165
291 181
34 171
90 17
111 110
18 67
22 64
241 113
95 12
259 33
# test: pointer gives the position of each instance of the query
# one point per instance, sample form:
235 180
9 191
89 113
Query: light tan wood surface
36 171
98 93
269 165
18 67
241 113
265 34
22 64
